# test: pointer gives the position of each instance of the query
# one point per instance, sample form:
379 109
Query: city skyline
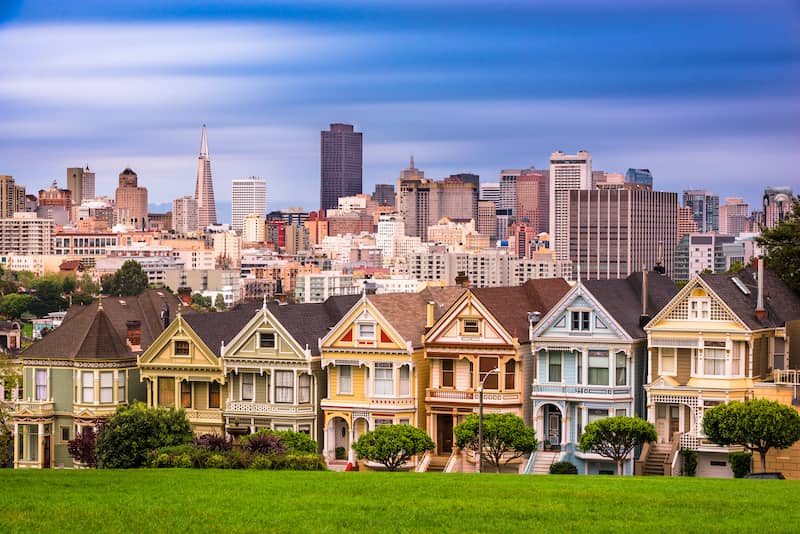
694 110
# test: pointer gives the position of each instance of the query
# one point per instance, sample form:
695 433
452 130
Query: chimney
429 319
644 318
761 312
134 334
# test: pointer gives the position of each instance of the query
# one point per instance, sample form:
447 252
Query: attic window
266 340
181 348
471 326
366 331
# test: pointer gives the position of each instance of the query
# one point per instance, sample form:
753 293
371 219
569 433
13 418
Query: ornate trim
80 365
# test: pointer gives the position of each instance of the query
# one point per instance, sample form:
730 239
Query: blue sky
705 94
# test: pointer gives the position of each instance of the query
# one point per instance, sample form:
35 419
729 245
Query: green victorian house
80 373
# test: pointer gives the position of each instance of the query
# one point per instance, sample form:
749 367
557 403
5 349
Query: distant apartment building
318 287
184 215
85 244
567 172
81 182
247 196
12 197
297 240
614 233
25 234
317 227
423 202
705 208
254 228
390 227
131 200
704 252
340 165
686 223
777 204
55 196
487 218
508 189
734 216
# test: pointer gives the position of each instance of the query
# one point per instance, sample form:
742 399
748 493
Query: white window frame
343 380
580 320
382 421
662 358
251 385
284 390
717 351
606 367
699 308
369 336
43 393
477 324
304 389
560 365
404 381
122 386
106 389
383 379
87 389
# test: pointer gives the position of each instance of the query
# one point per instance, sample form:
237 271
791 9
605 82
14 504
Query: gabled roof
510 305
407 312
780 302
307 323
92 332
622 298
214 328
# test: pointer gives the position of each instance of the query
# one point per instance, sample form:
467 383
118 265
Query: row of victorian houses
558 355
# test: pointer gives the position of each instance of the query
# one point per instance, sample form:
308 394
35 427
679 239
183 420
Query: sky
705 94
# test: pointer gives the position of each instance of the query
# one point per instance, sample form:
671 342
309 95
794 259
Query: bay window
122 382
598 367
448 373
87 387
106 387
488 364
714 361
284 387
41 384
304 389
213 395
345 379
621 376
405 382
384 384
248 385
186 394
554 367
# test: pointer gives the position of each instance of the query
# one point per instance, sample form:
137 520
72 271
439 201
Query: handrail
423 465
638 465
529 465
673 452
451 462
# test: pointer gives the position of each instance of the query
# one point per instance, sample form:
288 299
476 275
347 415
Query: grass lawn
257 501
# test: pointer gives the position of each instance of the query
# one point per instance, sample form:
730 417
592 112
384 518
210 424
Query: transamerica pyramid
204 192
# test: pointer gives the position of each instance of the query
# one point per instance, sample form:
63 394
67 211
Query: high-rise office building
184 215
81 182
131 200
465 178
247 196
566 173
686 223
12 197
615 232
777 203
734 216
384 195
423 202
204 189
411 171
533 200
340 164
639 176
705 208
491 191
487 218
508 189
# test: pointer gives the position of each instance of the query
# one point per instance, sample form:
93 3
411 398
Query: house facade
590 356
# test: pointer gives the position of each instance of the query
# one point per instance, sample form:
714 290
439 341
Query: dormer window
266 340
580 321
366 331
471 327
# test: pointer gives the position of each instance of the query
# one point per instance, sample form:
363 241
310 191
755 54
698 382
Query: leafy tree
392 445
616 437
83 448
219 302
10 375
297 441
199 301
129 281
782 245
47 297
15 305
128 435
87 285
504 434
757 425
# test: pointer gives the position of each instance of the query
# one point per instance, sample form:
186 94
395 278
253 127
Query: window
714 361
346 379
598 367
405 382
621 412
384 385
284 387
106 387
448 373
41 384
736 358
166 392
595 414
382 422
580 321
579 366
366 331
405 421
471 327
698 308
304 389
186 394
622 370
122 382
486 365
471 374
511 368
213 394
667 365
266 340
181 348
87 386
554 371
305 429
248 385
64 433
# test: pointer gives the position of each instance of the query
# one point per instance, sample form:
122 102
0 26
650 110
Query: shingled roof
214 328
92 332
510 305
780 302
622 298
407 312
307 323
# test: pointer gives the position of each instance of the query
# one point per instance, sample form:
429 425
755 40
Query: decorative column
16 443
40 442
296 389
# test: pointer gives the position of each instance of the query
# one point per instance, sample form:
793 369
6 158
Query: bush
341 453
126 438
263 442
83 448
740 463
238 459
261 462
184 456
298 462
214 442
298 441
217 461
689 464
563 468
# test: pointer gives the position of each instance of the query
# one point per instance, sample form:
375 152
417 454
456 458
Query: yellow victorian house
376 372
718 340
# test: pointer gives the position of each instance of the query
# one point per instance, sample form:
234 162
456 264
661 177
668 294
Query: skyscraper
184 215
734 216
508 189
131 200
81 182
566 173
423 202
204 191
384 195
340 165
533 199
777 202
247 196
12 197
705 208
639 176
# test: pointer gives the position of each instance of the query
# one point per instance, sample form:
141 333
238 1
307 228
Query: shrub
217 461
740 463
83 448
177 456
263 442
298 462
689 464
238 459
214 442
563 468
298 441
341 453
261 462
393 445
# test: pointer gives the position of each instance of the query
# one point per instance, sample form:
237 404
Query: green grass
258 501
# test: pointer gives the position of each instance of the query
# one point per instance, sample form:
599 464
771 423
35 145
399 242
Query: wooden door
444 434
554 430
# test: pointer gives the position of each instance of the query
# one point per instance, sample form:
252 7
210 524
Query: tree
87 286
757 425
14 305
47 297
219 302
504 435
133 431
782 245
392 445
129 281
616 437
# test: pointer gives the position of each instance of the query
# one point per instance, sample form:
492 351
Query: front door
553 429
674 419
46 453
444 434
